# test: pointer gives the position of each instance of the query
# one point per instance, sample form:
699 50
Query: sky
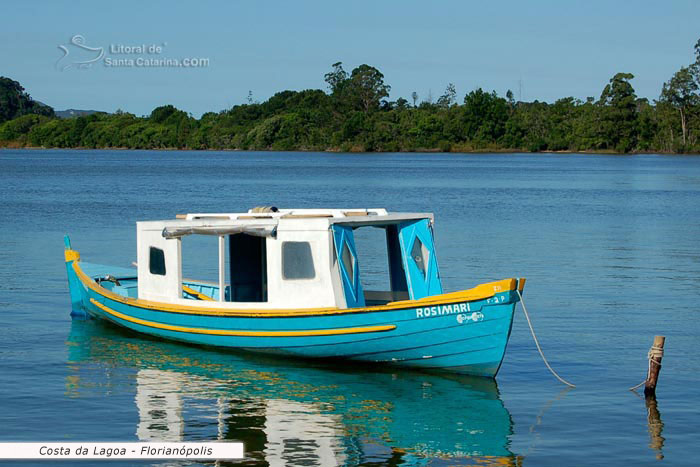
541 50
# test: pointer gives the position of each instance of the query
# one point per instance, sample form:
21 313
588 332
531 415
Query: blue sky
553 48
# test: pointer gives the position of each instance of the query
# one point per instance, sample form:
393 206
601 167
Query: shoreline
338 151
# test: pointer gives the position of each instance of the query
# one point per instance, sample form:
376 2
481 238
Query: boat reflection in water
291 412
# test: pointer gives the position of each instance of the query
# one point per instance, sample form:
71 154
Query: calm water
610 246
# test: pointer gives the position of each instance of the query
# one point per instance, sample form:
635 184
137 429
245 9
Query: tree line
356 114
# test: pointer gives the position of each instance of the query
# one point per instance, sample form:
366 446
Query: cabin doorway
379 254
379 264
200 270
371 264
247 268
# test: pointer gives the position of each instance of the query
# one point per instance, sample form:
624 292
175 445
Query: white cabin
273 258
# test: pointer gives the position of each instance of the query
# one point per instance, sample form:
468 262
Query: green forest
355 113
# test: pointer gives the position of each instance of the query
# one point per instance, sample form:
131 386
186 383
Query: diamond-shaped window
349 263
420 255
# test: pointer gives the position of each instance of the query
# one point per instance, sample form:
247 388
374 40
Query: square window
297 261
156 261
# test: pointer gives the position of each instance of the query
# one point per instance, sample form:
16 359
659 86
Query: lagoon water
610 246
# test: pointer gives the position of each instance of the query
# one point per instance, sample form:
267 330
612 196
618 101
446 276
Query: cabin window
420 255
349 262
156 261
297 261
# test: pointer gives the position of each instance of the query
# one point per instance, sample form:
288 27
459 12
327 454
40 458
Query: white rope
539 349
638 386
654 353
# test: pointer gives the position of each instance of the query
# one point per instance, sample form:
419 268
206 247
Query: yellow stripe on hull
227 332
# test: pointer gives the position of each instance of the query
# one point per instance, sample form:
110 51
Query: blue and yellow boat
289 283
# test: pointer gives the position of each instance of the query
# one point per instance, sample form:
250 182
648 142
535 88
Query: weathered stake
656 353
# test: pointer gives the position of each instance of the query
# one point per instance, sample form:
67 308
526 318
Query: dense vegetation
14 102
357 115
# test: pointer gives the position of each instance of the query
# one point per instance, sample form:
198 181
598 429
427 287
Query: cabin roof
289 219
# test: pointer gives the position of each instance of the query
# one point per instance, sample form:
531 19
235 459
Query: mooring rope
654 352
537 343
638 386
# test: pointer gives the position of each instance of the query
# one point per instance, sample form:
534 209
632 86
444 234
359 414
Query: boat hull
452 332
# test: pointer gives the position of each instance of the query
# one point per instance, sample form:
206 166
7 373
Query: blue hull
459 335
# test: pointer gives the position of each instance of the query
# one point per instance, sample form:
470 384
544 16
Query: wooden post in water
656 353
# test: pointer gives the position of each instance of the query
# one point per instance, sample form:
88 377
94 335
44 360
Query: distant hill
70 113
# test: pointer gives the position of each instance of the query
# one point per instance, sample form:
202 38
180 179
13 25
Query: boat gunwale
480 292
